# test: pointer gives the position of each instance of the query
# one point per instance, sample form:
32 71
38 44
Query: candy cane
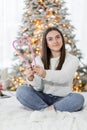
21 42
30 44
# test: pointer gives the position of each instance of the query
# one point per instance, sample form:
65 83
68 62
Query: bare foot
51 107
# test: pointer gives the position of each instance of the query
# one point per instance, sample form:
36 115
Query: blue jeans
38 100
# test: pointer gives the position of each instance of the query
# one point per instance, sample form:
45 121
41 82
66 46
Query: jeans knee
29 98
22 90
79 99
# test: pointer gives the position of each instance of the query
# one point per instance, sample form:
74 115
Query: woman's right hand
29 73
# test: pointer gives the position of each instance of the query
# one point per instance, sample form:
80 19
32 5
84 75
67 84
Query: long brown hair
46 53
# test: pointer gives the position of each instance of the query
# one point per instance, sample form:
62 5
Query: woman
51 78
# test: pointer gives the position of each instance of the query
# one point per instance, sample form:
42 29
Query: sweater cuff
47 75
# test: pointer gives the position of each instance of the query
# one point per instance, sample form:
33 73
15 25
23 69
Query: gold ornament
57 19
74 87
58 2
12 88
50 13
41 2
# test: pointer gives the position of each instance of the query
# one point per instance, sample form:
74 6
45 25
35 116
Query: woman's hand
40 71
29 73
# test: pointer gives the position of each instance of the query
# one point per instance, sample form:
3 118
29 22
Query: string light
25 29
69 41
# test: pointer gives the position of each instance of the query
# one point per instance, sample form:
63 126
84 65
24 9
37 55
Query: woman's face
54 41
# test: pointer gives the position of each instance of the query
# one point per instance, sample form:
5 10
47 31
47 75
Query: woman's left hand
40 71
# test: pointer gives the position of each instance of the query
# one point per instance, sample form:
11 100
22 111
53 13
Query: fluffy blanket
13 116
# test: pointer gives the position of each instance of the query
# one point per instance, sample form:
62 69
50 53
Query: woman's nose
55 40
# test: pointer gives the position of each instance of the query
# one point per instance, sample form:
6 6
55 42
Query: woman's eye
50 39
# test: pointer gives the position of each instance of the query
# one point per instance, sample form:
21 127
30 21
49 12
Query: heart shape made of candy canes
21 43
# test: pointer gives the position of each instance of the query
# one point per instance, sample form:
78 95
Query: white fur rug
13 116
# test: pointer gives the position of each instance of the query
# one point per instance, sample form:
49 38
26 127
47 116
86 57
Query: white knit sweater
57 82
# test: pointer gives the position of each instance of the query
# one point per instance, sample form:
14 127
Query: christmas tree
39 15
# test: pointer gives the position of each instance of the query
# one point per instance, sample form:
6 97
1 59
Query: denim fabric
38 100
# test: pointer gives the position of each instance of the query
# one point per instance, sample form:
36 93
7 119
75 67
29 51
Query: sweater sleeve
65 74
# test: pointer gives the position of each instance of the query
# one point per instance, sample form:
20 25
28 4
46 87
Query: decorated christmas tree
39 15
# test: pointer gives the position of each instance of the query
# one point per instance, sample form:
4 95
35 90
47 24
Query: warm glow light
69 41
21 68
38 24
78 77
57 19
25 29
